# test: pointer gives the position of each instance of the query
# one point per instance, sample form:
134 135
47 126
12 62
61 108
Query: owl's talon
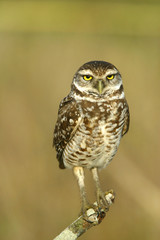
101 199
101 213
85 207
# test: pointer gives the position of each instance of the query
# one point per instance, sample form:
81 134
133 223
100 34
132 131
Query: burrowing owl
91 121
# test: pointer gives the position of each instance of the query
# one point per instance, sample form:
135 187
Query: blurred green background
42 44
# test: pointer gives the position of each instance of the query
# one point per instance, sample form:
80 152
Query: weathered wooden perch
81 225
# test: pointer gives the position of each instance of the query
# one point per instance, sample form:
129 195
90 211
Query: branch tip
93 217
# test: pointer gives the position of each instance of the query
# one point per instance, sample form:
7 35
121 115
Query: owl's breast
96 139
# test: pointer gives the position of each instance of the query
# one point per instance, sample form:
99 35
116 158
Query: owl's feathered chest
98 135
105 117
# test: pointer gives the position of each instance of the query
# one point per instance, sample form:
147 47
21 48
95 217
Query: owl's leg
101 200
79 173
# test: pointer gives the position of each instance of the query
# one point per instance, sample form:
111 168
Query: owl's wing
126 121
66 126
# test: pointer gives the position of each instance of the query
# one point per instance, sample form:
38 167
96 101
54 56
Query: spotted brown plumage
91 121
66 126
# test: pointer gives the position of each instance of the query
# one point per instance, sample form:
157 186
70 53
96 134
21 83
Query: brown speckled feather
126 121
66 125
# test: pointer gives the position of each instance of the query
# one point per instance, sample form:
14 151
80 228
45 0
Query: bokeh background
42 44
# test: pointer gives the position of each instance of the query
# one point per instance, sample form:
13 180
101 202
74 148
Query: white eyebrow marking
111 71
86 72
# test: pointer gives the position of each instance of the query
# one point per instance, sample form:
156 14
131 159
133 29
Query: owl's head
97 78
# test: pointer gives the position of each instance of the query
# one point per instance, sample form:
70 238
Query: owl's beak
100 86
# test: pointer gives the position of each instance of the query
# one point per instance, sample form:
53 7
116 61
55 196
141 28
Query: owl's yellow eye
87 77
110 77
